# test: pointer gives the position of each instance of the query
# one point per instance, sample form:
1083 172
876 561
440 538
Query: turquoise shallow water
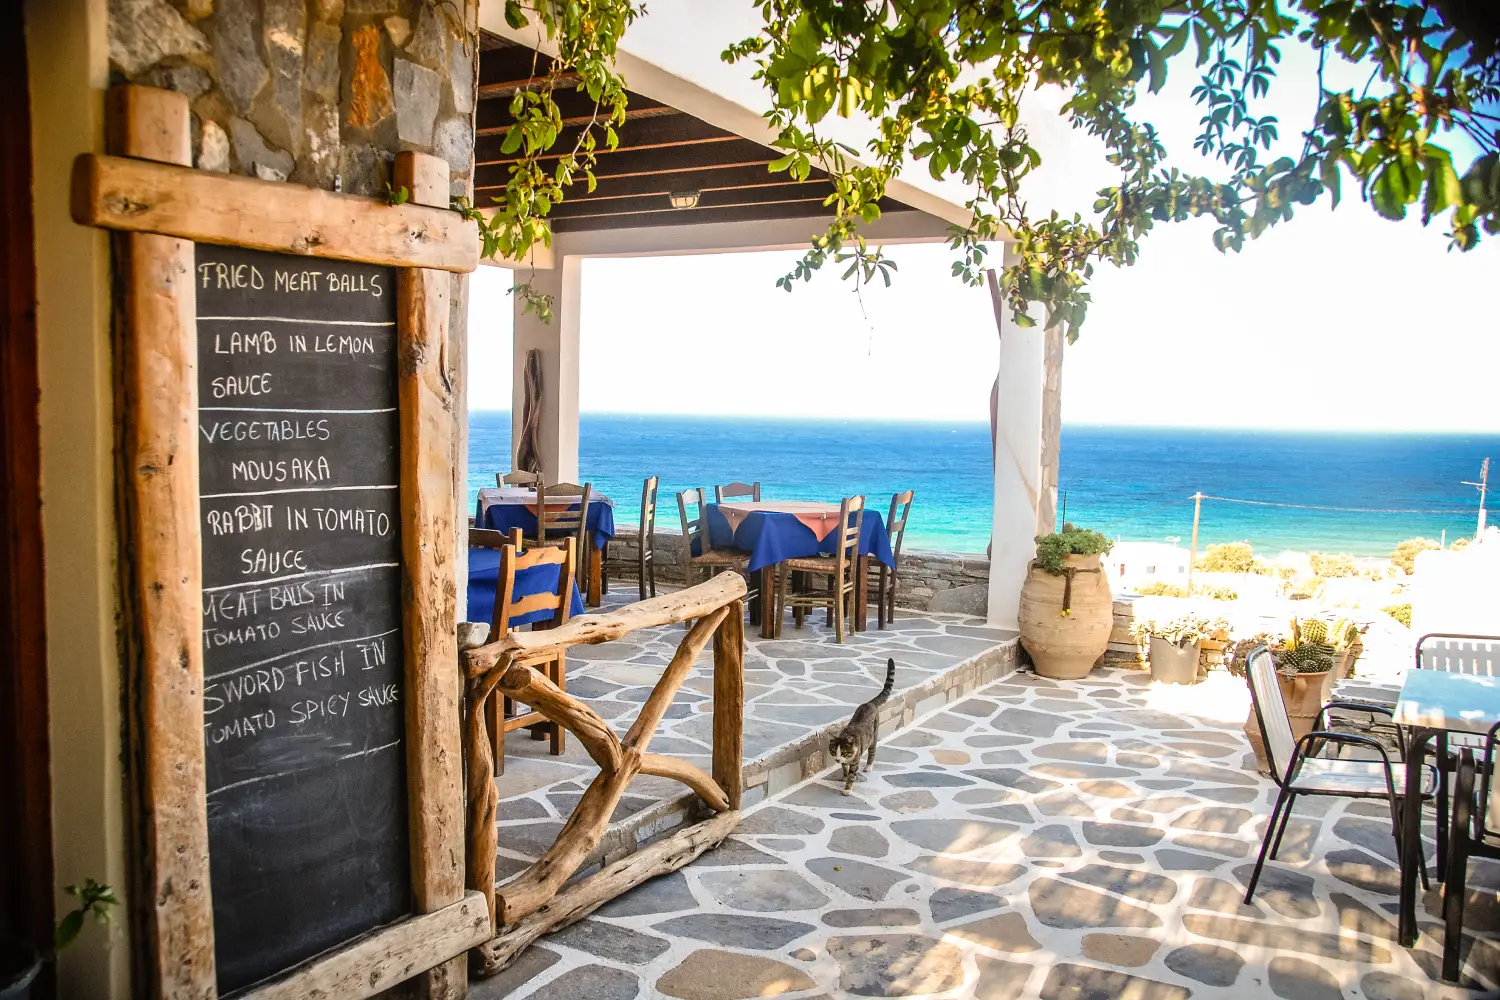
1114 478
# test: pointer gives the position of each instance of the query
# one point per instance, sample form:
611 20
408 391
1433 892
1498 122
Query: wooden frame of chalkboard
161 207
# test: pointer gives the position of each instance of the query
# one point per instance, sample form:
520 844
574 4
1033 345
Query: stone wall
315 92
930 581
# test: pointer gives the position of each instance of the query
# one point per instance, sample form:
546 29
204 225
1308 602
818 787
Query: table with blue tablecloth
503 509
484 581
772 531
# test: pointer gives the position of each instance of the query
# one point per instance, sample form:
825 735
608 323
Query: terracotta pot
1171 664
1066 646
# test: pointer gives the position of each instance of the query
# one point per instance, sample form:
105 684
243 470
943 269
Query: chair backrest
559 601
1270 713
489 538
1459 654
851 526
517 478
1489 788
562 508
648 508
695 527
895 522
733 491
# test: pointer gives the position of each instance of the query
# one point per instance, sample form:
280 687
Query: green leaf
67 930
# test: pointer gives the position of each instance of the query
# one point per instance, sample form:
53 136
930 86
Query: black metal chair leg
1442 807
1291 801
1458 872
1265 845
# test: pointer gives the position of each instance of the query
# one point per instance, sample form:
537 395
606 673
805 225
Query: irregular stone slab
1121 835
1002 932
1359 918
1213 819
947 722
590 982
978 708
880 916
1297 979
1107 789
927 779
999 979
774 819
784 844
1025 722
529 838
857 878
890 755
1387 986
1121 858
1082 982
734 852
1008 813
1164 804
609 941
1207 772
952 836
762 891
981 796
1001 757
1141 761
1119 949
861 840
1287 892
953 758
1231 796
949 904
1054 841
910 802
858 817
1222 897
1299 840
1207 963
1163 783
1097 753
916 738
1128 815
981 873
1059 904
1144 886
822 795
1372 835
1185 861
996 740
1054 703
894 965
1150 719
1214 844
1199 749
710 974
1064 804
735 930
520 808
1079 772
1275 937
528 965
663 894
1363 871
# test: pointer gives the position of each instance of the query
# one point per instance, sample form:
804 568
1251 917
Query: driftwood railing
531 904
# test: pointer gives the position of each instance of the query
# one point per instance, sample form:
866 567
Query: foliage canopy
943 82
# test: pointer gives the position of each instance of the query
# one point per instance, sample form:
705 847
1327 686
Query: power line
1152 510
1350 510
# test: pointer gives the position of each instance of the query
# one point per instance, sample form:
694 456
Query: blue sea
1131 483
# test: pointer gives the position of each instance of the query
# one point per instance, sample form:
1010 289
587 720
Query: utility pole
1193 552
1483 487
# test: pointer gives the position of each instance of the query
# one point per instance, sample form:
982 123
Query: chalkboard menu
304 726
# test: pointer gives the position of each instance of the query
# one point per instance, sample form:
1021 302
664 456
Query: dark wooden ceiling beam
672 159
511 62
646 133
497 122
707 179
687 217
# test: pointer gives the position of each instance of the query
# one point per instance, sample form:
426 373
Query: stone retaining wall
930 581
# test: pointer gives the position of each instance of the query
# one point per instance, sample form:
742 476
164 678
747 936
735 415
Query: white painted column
1018 461
558 343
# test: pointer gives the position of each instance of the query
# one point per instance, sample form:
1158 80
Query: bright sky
1340 320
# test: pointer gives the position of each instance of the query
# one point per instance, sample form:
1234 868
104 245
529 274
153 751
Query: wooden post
729 702
162 568
428 539
1193 551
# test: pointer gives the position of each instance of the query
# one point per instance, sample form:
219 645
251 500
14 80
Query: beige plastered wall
67 53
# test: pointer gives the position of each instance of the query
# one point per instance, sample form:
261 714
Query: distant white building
1134 564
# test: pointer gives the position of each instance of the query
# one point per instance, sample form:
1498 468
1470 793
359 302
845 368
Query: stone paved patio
1062 841
796 688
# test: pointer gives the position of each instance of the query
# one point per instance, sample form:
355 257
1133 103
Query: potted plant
1176 643
22 964
1066 610
1310 656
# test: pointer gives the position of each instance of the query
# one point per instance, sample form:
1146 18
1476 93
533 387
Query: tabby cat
858 737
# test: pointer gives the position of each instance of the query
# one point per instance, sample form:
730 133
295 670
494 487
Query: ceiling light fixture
684 199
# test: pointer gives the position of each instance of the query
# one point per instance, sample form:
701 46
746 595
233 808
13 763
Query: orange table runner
819 516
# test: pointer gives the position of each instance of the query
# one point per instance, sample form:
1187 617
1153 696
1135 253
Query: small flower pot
1171 664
